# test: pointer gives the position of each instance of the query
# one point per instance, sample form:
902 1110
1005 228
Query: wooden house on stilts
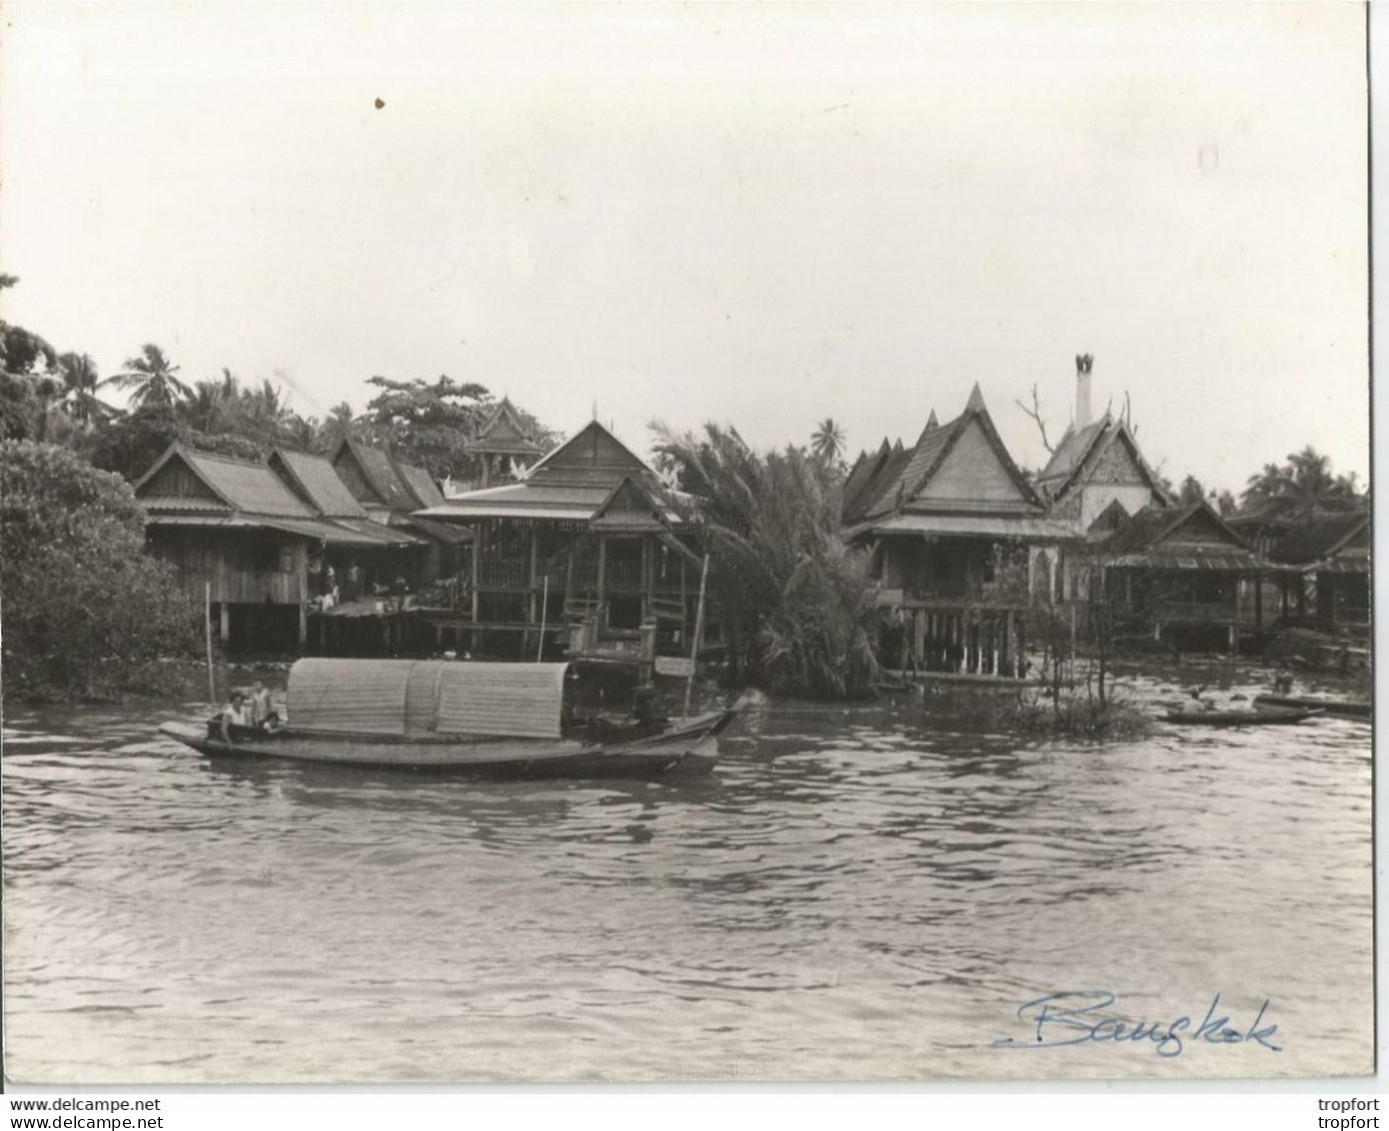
392 491
241 539
580 551
950 522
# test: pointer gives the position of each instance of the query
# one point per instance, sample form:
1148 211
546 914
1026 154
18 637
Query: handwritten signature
1077 1017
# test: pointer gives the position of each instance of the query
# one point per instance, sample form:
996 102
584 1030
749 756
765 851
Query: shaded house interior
359 565
949 522
579 550
240 539
1325 560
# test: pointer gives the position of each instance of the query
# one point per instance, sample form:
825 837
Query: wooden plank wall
238 565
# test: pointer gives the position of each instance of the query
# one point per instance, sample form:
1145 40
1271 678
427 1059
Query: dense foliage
86 611
795 603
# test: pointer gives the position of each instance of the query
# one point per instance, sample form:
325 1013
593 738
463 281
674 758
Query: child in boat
234 714
262 709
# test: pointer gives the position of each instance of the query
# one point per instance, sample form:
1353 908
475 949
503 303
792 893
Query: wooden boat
1351 708
1238 718
518 720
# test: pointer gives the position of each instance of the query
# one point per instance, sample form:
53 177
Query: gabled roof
504 433
1107 521
420 483
313 479
1189 537
237 484
235 493
629 507
593 456
1070 453
861 488
930 454
379 472
1079 452
1317 537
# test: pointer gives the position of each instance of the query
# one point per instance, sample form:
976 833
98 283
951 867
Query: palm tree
80 382
207 410
302 432
1303 485
265 411
797 605
339 423
827 441
151 375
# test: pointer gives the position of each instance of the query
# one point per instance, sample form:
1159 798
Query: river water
858 893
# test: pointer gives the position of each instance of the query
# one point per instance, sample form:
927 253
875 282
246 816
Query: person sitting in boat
234 714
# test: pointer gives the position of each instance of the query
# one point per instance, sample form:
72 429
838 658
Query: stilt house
368 553
240 538
580 549
950 522
392 491
1171 568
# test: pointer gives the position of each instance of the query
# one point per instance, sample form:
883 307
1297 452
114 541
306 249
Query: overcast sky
763 215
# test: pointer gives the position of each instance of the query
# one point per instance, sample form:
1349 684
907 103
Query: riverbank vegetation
796 603
87 613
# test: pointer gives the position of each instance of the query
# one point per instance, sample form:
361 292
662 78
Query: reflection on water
859 893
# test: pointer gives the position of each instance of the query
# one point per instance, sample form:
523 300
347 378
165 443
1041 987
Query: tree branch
1036 413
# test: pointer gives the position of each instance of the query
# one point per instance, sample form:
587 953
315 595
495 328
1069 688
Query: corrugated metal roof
1235 560
315 477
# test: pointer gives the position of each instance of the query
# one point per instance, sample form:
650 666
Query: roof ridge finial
931 421
976 400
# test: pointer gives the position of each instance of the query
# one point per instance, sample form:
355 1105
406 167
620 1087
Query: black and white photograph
702 544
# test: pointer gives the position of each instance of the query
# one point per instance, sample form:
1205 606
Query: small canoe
1234 718
1351 708
503 720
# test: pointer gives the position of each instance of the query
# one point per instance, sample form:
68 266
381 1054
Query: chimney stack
1084 362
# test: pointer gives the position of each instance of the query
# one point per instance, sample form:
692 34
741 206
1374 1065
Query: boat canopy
419 697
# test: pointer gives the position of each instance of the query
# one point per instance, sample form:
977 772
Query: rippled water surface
860 893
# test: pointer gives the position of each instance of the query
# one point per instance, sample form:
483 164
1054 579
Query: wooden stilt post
698 631
544 608
207 626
